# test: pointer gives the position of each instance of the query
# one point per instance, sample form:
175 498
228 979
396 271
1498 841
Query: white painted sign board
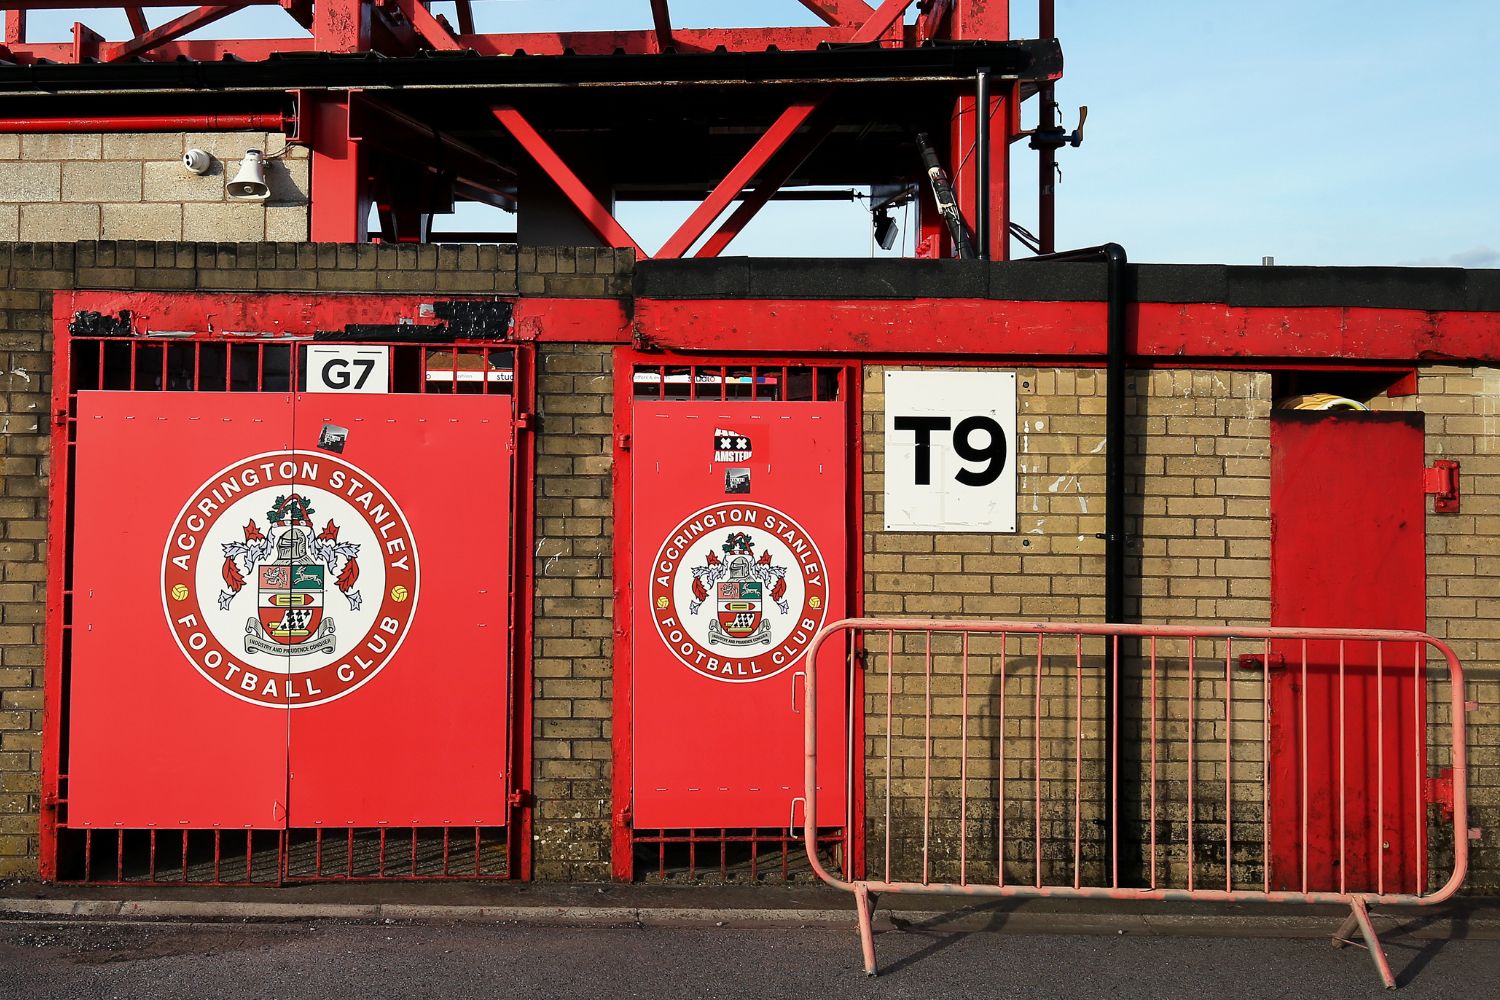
950 451
346 368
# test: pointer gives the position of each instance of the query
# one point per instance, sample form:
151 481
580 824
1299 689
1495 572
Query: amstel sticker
738 591
290 580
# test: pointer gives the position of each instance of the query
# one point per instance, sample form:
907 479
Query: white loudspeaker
250 183
198 161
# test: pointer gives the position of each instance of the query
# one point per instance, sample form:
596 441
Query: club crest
738 591
286 549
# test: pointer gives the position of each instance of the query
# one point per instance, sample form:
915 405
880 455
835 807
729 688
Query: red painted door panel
157 734
739 539
1347 551
412 728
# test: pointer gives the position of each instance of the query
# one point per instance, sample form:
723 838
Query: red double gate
284 622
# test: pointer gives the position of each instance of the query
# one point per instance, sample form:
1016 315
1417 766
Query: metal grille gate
96 365
675 821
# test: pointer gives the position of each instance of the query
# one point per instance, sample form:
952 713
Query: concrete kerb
1479 922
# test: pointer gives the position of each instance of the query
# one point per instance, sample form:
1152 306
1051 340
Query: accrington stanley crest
290 579
738 591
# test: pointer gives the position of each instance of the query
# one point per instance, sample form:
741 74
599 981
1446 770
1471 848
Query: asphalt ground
265 961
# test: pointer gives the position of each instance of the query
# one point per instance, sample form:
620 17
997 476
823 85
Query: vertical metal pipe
982 164
1047 154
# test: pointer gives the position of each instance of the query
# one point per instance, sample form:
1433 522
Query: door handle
796 705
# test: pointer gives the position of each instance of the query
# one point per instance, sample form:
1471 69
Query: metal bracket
521 798
1440 792
1259 661
528 422
1441 482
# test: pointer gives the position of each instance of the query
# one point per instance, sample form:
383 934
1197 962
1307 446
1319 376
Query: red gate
1347 799
737 554
282 621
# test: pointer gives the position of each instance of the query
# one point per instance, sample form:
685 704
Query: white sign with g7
346 368
950 451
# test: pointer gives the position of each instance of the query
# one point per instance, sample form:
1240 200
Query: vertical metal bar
133 383
184 855
218 853
165 350
723 853
1380 767
1228 766
963 769
1114 772
1077 758
120 835
1000 805
1303 742
1419 744
478 833
1192 741
447 834
318 851
1265 764
1343 881
380 857
1036 764
982 164
88 855
151 855
349 852
1153 761
890 695
249 855
927 761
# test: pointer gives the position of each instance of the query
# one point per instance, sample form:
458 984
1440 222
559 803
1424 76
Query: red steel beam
661 19
175 28
590 207
15 27
767 145
136 18
796 153
465 11
839 13
735 182
1166 332
433 31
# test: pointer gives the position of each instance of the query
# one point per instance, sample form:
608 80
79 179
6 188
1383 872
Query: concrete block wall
134 186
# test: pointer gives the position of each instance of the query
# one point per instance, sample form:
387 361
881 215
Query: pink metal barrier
1008 760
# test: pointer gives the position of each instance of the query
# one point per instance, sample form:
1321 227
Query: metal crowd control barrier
993 765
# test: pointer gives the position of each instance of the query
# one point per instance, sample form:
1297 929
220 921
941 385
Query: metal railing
996 766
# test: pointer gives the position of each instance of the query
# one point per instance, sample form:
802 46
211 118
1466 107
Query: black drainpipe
1116 299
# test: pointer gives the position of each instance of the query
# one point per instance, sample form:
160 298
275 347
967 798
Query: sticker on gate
738 591
290 579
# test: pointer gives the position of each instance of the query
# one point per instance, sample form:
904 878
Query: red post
340 194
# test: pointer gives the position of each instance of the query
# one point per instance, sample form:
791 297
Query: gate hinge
1440 792
622 442
60 418
521 798
1259 662
1441 481
528 422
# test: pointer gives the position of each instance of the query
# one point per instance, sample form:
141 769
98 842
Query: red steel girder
589 206
730 187
15 27
465 11
839 13
175 28
434 31
661 19
766 147
136 18
780 171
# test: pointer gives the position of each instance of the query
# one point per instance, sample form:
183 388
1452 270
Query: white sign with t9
341 368
950 451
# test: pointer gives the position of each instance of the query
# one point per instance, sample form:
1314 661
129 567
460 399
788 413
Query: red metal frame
624 836
198 322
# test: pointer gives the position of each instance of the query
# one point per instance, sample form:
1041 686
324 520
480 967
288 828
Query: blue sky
1318 132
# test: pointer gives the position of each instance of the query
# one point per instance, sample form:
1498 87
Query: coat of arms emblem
291 618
